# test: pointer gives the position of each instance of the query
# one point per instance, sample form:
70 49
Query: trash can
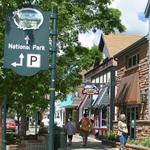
60 139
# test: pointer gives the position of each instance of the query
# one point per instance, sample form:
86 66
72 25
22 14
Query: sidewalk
92 144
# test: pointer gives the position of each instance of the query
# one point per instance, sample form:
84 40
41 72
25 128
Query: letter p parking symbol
34 60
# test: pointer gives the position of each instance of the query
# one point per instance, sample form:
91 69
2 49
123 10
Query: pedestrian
122 131
85 128
71 130
45 120
42 130
58 121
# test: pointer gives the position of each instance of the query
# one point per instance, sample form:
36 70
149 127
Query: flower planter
128 146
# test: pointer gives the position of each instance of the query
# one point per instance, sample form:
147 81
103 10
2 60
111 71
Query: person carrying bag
122 131
85 128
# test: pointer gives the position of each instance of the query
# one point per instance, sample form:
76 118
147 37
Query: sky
132 16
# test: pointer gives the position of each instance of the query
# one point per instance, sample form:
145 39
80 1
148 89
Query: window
108 77
97 80
133 60
105 78
104 117
96 120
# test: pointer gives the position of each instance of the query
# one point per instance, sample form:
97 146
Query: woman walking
85 128
71 130
122 131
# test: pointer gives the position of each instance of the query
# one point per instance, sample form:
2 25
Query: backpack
85 125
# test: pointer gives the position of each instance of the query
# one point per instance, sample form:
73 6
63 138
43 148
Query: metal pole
53 77
112 97
4 118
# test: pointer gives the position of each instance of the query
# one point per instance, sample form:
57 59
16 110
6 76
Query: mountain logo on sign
28 18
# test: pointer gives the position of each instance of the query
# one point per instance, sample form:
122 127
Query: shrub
111 135
146 142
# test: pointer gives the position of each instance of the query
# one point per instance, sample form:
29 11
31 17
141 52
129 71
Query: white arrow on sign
27 39
21 61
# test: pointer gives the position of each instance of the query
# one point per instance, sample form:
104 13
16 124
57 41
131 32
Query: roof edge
138 42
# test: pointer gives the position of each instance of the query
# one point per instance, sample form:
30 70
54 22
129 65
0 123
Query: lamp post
53 79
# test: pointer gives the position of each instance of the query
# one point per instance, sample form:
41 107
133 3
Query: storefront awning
84 101
67 102
128 91
102 99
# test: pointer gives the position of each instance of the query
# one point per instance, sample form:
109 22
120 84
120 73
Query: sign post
27 41
27 47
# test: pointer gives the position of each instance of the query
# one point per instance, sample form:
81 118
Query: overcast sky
132 16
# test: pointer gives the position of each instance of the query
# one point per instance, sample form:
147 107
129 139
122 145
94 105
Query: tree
74 17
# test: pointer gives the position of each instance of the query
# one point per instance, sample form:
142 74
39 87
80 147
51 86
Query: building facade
104 75
132 87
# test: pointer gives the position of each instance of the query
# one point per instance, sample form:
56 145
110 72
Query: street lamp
53 79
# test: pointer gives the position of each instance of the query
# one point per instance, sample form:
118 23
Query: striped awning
102 99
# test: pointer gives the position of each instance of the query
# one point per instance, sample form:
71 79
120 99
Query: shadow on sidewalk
90 146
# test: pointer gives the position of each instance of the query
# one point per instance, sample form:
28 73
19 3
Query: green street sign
27 41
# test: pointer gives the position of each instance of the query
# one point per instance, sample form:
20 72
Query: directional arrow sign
21 61
27 39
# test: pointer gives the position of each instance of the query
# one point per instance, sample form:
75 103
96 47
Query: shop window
96 123
103 121
96 120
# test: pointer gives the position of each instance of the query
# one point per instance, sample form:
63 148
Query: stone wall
143 129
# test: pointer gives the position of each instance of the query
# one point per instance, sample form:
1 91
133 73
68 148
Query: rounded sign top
28 18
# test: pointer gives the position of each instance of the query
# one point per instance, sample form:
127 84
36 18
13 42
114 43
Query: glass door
132 116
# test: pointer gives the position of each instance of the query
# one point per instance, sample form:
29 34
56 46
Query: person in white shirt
71 130
45 120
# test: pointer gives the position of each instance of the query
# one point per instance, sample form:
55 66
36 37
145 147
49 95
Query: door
132 116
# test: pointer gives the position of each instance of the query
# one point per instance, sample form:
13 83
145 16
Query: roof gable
115 43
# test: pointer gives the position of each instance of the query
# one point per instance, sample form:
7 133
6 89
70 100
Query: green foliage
111 136
144 142
74 17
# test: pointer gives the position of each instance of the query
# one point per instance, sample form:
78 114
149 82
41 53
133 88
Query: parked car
10 125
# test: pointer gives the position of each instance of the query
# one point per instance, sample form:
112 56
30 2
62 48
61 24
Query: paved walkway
92 144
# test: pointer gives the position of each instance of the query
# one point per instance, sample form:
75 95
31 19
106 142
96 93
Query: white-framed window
93 80
108 77
105 78
133 60
97 80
